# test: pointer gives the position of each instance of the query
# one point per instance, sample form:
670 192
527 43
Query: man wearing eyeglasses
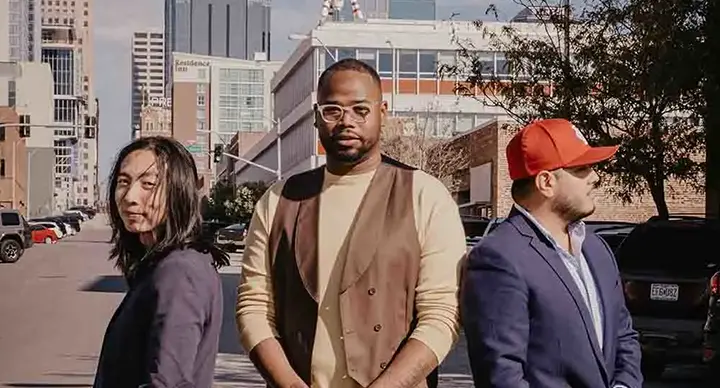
350 272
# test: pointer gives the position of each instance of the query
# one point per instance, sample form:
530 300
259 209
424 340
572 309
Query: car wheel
48 240
10 251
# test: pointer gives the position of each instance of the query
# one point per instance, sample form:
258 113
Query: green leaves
229 203
633 77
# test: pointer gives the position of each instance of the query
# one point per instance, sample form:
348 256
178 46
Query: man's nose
132 194
347 119
594 177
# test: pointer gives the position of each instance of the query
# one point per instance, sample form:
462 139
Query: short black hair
522 188
345 65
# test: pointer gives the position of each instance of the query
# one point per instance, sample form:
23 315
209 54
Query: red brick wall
488 145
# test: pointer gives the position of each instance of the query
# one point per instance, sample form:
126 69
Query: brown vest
382 261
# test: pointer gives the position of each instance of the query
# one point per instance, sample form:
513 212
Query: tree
403 141
230 203
624 71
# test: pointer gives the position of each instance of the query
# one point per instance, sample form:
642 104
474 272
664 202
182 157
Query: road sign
194 148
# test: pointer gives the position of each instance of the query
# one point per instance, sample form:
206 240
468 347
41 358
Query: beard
343 154
570 210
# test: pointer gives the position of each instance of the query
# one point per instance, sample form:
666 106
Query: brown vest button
383 365
377 327
371 291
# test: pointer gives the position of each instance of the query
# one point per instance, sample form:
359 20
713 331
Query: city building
67 47
27 88
238 145
34 98
4 30
392 9
23 30
154 121
222 95
406 54
13 162
485 184
148 75
220 28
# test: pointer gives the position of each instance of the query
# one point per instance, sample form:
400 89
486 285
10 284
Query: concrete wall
41 181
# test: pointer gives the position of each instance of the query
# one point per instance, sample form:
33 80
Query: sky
116 20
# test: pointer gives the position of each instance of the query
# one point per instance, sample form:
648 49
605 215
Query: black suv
666 267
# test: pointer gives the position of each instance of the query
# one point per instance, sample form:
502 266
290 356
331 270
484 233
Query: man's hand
270 360
411 366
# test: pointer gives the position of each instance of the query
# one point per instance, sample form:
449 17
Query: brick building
485 184
13 163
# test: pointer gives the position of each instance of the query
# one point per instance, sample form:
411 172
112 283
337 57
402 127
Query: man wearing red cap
542 301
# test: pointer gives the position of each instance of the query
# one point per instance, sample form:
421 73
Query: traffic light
218 153
24 128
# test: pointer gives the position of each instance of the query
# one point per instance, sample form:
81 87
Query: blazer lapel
552 258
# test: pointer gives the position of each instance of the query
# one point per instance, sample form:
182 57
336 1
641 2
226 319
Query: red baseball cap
550 144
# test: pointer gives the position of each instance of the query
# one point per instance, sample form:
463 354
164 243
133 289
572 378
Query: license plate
665 292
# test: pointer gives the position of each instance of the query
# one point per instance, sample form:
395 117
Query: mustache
344 134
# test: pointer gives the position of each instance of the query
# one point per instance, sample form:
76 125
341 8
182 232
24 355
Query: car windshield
236 227
672 249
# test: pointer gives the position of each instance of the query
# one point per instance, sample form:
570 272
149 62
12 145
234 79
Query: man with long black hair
350 271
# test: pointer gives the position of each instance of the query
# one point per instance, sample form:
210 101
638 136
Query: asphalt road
56 301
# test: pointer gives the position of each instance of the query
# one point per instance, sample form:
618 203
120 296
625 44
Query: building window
385 63
369 57
2 134
2 167
85 201
85 190
201 100
85 178
427 61
407 64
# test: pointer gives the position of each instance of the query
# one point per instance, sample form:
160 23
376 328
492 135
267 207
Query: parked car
15 236
231 238
50 225
666 267
209 228
41 234
90 212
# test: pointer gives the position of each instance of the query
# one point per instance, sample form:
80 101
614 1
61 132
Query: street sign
194 148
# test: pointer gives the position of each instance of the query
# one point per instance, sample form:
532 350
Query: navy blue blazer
527 324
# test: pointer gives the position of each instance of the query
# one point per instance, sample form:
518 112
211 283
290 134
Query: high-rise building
221 28
23 30
68 48
148 78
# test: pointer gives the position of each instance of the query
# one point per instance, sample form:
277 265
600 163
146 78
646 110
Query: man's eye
148 185
361 110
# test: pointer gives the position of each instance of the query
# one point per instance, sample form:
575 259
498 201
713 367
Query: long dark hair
182 225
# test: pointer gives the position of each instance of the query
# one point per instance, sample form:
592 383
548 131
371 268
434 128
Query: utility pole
566 93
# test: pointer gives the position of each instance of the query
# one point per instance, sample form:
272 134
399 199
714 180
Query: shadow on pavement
229 339
107 283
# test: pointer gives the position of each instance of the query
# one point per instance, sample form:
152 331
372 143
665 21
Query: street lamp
303 37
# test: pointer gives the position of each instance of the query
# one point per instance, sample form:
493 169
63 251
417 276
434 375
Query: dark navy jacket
166 330
527 324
